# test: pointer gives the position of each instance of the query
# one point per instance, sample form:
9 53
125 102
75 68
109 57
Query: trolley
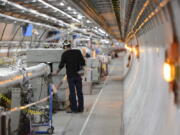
49 124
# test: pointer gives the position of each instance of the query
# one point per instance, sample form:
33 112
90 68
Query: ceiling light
88 21
75 12
61 4
53 7
69 8
101 31
79 16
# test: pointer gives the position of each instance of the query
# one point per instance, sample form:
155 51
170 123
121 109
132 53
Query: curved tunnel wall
149 107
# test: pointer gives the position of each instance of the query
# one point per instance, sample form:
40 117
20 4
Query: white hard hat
66 43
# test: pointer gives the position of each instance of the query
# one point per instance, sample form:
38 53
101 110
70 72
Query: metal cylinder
17 76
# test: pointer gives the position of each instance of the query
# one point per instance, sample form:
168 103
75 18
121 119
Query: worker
85 53
74 62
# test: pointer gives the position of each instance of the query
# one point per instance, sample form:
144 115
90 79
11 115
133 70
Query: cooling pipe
17 77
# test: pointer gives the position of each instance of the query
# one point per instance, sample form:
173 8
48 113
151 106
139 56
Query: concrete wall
149 107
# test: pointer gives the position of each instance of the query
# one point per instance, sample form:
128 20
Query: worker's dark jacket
73 60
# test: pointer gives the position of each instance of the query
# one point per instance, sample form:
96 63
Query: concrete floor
103 111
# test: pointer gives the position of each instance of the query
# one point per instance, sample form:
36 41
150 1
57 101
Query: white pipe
25 43
27 21
62 12
35 13
16 77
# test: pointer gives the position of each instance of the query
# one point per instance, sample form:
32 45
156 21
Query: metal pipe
28 21
24 43
36 13
57 9
17 77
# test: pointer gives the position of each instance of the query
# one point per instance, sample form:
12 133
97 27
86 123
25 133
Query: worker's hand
54 87
81 72
54 73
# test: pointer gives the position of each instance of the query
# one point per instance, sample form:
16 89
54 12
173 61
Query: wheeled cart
49 124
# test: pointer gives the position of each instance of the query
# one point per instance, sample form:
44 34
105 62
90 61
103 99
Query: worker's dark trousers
75 86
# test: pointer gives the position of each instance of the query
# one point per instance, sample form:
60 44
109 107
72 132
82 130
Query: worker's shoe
71 111
80 111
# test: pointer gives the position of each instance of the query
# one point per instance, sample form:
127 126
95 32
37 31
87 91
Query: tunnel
131 71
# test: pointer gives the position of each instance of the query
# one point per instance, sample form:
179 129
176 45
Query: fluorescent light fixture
88 21
35 13
62 12
102 31
105 41
27 21
61 4
69 8
75 12
79 16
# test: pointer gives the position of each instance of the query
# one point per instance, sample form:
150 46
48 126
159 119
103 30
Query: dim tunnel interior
131 83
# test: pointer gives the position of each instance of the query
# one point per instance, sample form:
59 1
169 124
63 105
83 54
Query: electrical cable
55 90
148 18
139 16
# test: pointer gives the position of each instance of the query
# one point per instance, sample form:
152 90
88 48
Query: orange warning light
169 72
